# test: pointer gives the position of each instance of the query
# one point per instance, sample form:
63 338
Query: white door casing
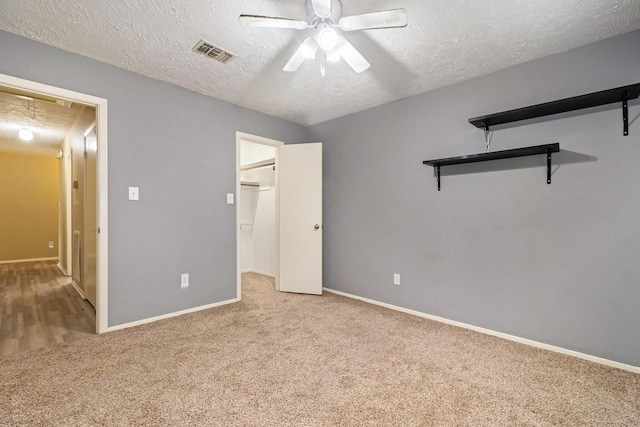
299 182
102 323
89 260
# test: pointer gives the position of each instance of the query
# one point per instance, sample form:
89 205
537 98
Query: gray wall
179 148
497 247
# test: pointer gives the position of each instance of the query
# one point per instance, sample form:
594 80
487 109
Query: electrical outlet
50 244
396 279
229 198
184 280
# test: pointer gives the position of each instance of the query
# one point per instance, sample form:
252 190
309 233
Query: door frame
241 136
93 127
100 104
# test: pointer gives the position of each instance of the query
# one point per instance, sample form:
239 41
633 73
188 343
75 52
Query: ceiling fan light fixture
308 50
333 55
25 134
352 56
327 38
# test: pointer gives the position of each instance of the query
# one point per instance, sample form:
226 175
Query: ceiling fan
325 15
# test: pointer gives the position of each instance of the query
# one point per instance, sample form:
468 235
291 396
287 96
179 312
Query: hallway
39 307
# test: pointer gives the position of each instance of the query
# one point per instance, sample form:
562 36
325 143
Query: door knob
316 227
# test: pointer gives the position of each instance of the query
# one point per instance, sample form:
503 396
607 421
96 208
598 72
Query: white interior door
299 168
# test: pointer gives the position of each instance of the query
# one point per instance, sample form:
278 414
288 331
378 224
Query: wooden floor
39 307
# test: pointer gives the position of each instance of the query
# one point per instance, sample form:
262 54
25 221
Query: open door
299 267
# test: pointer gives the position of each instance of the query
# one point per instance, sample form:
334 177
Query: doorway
297 195
101 201
257 207
256 191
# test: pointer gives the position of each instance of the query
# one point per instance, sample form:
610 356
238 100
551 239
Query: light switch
229 198
134 193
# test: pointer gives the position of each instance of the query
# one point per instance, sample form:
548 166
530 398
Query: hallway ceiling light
25 134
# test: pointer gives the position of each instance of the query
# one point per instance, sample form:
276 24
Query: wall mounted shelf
496 155
620 94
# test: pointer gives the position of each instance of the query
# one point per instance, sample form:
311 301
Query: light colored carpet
280 359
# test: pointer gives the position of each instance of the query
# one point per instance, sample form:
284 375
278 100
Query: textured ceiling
48 121
446 41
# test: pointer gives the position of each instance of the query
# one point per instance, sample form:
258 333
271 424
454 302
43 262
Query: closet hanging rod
260 164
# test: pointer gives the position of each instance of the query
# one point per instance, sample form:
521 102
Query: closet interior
258 208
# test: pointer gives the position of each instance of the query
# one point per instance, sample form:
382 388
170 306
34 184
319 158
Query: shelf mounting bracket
437 171
488 134
548 166
625 113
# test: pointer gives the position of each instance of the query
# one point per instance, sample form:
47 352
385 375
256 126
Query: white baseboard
590 358
13 261
77 288
167 316
262 273
64 272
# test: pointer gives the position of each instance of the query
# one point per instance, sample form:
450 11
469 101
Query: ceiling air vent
207 49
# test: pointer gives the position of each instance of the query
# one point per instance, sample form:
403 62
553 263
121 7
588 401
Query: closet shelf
620 94
496 155
258 165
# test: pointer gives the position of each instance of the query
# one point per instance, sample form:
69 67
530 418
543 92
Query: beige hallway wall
28 206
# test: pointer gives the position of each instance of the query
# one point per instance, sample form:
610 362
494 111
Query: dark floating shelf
497 155
620 94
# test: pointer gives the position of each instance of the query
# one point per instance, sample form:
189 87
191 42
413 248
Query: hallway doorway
94 142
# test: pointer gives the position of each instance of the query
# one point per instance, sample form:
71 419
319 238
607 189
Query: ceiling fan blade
322 8
272 22
394 18
352 56
307 50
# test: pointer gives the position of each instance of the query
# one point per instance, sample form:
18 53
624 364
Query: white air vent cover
215 52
